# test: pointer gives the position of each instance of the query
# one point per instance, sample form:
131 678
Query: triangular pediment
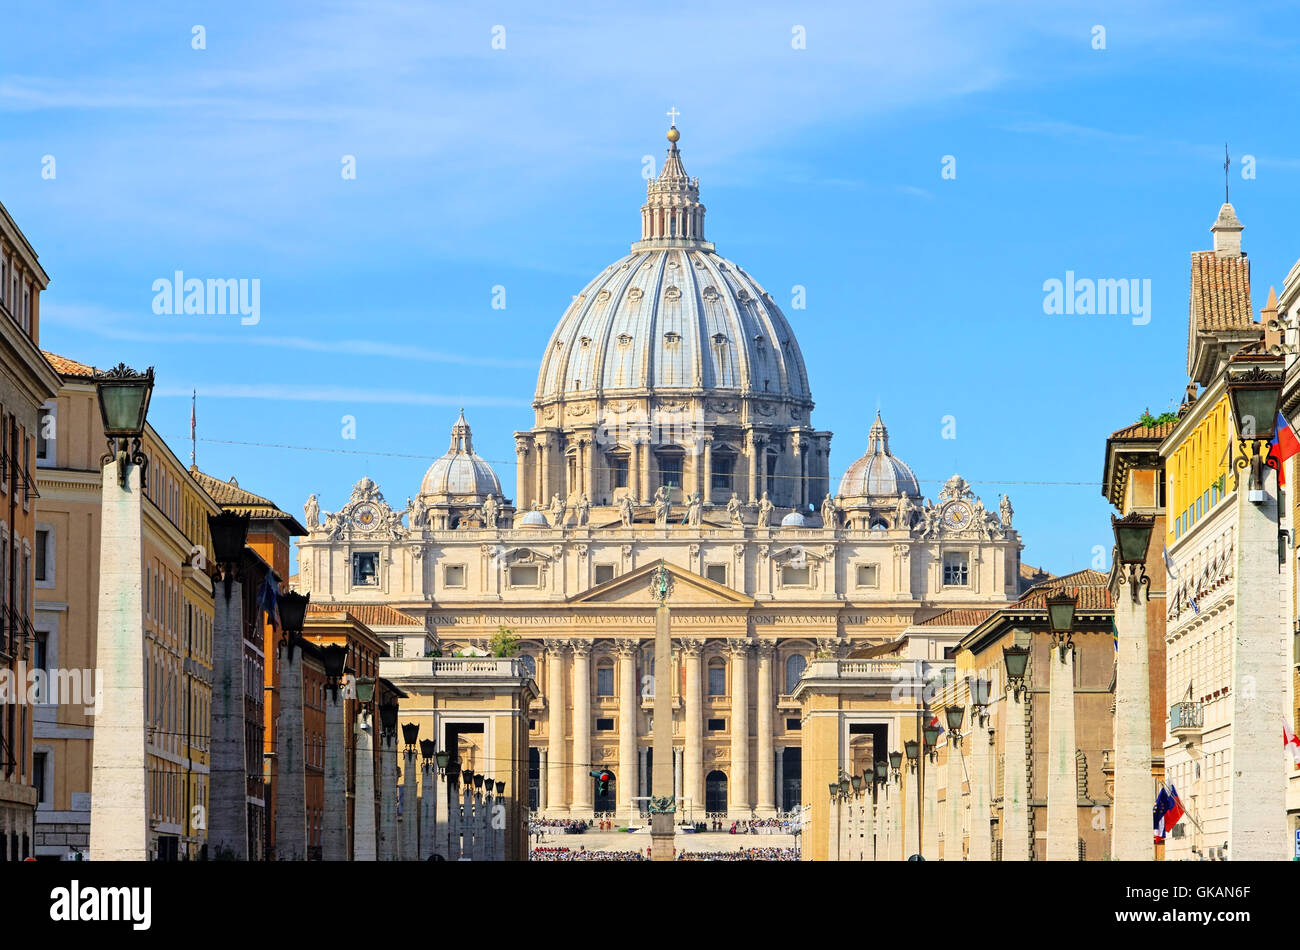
689 589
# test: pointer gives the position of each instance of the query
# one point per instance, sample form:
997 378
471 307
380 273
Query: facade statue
932 515
733 509
490 511
694 509
419 512
311 511
764 511
583 510
625 511
903 517
662 504
1006 511
829 516
557 511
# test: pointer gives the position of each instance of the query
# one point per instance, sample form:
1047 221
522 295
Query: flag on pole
268 599
1176 809
1114 634
1291 743
1169 565
1158 815
1285 444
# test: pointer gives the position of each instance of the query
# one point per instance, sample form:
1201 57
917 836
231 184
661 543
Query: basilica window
365 569
717 677
670 470
722 468
618 471
794 667
868 575
453 575
604 573
605 678
956 570
792 576
716 573
523 575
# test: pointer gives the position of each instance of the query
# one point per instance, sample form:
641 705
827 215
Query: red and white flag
1289 741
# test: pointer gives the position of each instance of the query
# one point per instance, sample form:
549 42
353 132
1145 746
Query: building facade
177 627
672 423
27 383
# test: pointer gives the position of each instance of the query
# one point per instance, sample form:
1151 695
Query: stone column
389 849
911 837
556 797
693 728
1258 828
119 801
365 845
523 486
543 779
633 469
334 833
643 774
930 817
543 471
411 809
1062 781
228 775
780 779
706 490
644 449
429 792
455 819
766 704
291 775
1134 785
467 819
1015 804
629 697
981 838
751 444
485 835
833 834
952 849
679 786
582 765
739 804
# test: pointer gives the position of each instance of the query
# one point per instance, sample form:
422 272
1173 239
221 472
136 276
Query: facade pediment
688 590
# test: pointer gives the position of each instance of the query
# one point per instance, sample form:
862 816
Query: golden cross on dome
672 115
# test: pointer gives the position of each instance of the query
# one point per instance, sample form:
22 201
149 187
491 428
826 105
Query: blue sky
521 167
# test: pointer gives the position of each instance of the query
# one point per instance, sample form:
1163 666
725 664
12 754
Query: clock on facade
956 516
366 516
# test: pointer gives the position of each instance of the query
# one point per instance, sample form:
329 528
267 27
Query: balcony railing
1186 719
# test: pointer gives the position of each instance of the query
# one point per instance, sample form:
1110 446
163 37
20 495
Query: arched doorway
791 778
610 801
715 792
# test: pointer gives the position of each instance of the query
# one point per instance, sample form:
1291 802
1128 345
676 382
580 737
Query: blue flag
1163 804
268 599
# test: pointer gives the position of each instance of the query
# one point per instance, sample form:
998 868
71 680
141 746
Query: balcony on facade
1186 720
457 670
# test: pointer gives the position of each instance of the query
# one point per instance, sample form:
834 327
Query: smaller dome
794 520
534 519
461 472
878 472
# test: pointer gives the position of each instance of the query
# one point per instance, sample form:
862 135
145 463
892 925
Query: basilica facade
672 424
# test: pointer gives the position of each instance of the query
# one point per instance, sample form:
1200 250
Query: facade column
644 449
678 770
543 779
1015 804
981 838
389 848
582 784
365 843
1062 781
228 777
539 463
930 817
911 812
751 444
693 730
410 808
628 698
334 833
766 704
643 774
556 797
428 808
952 843
833 835
1134 785
523 479
633 470
290 770
739 804
780 779
706 490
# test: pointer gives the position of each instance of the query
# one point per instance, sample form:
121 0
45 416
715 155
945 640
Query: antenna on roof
1227 164
194 405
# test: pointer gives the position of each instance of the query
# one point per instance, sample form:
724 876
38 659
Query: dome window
719 339
585 342
602 296
879 524
672 293
635 294
624 339
671 338
710 293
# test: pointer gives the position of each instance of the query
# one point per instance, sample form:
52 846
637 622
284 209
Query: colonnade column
1015 806
555 754
766 782
952 849
543 779
1062 784
693 760
582 783
981 841
738 783
629 695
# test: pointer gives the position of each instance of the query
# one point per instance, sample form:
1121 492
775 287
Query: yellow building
178 608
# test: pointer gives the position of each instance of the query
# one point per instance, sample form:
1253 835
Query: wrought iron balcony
1186 719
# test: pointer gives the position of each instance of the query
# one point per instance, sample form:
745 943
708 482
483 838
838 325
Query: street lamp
954 714
896 764
292 607
426 750
411 735
931 733
856 782
912 747
229 533
365 687
1254 383
334 657
881 772
1016 660
501 788
979 697
388 718
1060 617
123 405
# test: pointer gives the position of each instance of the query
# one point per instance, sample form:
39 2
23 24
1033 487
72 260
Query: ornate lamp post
119 826
334 833
1015 805
290 762
410 838
954 713
389 847
1261 666
1062 781
1134 785
981 839
912 748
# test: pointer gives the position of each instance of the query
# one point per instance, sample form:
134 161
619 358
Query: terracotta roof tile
959 617
66 367
1139 432
1220 298
230 495
372 615
1089 586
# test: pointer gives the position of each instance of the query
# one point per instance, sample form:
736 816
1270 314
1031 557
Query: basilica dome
673 315
461 472
878 472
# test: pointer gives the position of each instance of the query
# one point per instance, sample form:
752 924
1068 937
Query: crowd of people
744 854
572 826
582 854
